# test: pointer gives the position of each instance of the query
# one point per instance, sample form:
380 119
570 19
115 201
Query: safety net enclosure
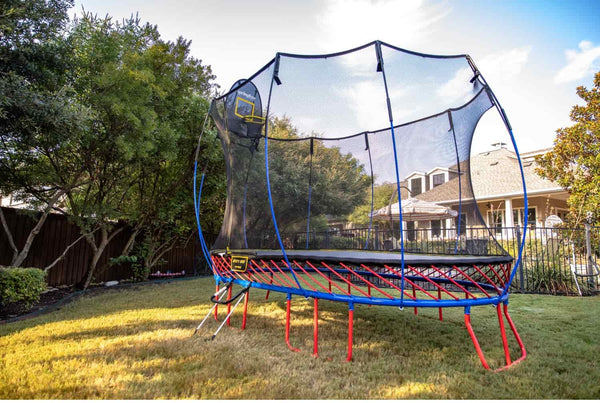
348 179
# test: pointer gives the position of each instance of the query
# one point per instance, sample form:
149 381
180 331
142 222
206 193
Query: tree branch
61 257
11 241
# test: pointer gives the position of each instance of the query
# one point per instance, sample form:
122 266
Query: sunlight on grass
411 390
137 344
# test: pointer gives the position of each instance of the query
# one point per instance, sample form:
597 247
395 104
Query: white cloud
345 23
504 66
367 101
456 88
497 68
579 64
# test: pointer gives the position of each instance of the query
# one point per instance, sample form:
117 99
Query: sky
534 54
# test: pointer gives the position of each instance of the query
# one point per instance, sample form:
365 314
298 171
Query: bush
21 285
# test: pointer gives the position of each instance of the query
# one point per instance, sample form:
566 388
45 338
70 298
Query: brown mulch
54 298
47 299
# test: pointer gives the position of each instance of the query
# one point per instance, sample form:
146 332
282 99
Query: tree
140 92
338 181
381 198
38 116
573 162
163 193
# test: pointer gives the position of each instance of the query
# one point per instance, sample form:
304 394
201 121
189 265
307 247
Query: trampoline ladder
217 299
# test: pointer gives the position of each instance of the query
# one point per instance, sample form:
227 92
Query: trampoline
310 141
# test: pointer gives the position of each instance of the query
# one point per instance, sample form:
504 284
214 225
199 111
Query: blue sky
533 53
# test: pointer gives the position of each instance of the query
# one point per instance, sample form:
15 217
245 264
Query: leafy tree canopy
338 181
574 162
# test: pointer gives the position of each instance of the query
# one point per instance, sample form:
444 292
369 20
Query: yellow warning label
239 263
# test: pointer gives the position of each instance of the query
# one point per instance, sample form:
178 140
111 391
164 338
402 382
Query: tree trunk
98 251
11 241
20 258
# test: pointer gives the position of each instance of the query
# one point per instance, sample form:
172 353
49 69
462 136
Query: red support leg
245 309
287 324
316 329
503 334
517 337
229 306
509 363
440 308
475 342
268 291
369 291
330 282
349 281
414 292
350 331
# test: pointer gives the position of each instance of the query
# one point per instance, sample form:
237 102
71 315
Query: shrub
21 285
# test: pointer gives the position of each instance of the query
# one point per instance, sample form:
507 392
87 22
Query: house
498 189
13 202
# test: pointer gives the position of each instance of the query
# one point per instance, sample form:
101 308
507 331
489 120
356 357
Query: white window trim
423 188
488 216
537 217
437 173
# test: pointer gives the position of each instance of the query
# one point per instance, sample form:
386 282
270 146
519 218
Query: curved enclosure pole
458 229
397 171
205 251
198 195
514 143
275 79
368 149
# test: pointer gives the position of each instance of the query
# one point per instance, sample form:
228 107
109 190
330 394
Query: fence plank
57 233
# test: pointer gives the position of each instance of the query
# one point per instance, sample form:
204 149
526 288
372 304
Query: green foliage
21 285
140 272
146 97
339 181
573 162
550 276
107 114
38 115
381 198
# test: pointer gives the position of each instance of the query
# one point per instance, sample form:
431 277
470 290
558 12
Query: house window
436 228
496 221
416 187
411 232
462 222
518 216
438 179
562 214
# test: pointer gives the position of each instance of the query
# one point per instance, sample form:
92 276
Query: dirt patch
47 299
55 297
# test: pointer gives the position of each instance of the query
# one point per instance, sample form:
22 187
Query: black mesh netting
332 174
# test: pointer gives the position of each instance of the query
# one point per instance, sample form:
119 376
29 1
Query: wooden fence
57 233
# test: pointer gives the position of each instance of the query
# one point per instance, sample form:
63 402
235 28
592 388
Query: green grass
138 344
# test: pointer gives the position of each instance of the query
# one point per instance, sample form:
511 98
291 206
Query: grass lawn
137 344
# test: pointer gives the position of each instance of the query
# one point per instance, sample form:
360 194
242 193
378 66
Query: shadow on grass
396 354
96 303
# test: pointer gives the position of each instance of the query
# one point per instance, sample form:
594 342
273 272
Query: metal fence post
520 268
588 255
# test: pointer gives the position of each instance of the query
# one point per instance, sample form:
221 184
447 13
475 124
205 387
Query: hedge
21 285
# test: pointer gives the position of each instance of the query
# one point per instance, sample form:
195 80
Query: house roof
493 173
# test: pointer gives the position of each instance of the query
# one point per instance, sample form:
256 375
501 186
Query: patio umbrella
414 210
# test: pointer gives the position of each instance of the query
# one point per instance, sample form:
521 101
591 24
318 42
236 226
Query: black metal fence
554 261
